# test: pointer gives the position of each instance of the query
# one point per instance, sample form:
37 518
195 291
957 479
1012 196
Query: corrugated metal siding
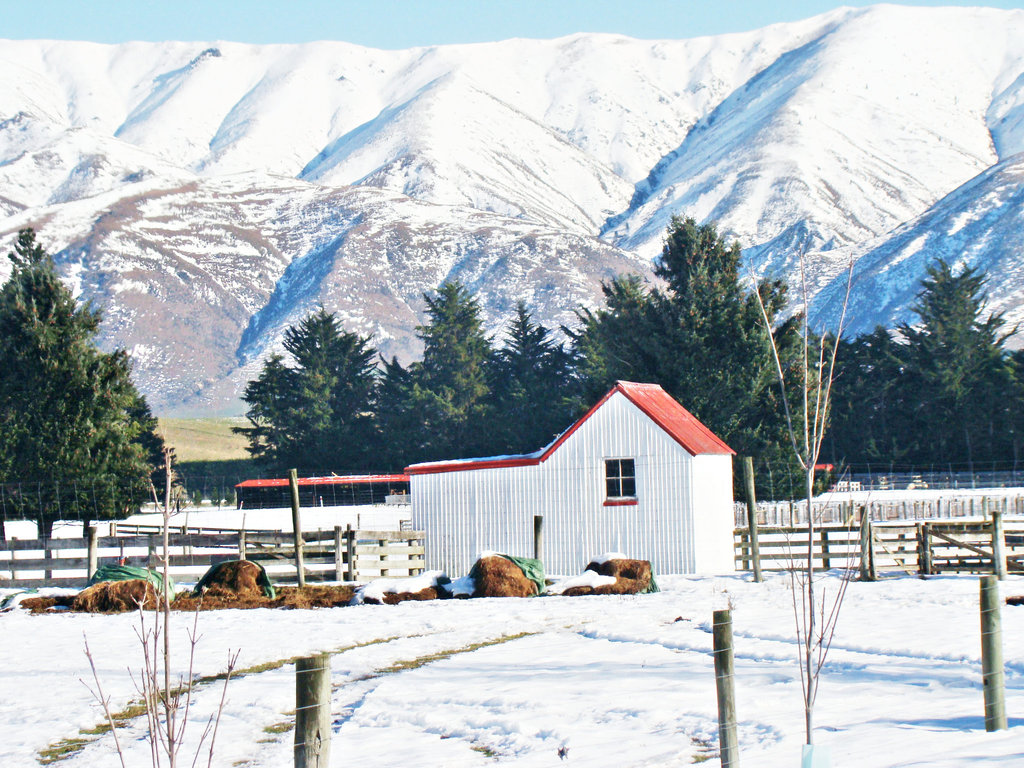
466 512
714 516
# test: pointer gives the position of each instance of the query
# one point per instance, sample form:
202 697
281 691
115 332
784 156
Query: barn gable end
674 509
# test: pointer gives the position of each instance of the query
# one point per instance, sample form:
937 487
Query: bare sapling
167 698
815 615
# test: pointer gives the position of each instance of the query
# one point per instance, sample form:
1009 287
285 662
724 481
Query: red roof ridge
665 411
657 404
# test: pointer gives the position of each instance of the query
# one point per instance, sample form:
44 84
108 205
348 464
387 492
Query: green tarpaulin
129 572
263 580
532 569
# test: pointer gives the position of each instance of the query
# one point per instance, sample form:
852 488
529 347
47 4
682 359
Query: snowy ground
617 681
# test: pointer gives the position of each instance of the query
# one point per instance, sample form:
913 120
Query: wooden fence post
826 558
339 555
93 551
867 547
993 676
755 549
998 543
313 711
350 552
723 653
924 549
538 537
241 544
293 484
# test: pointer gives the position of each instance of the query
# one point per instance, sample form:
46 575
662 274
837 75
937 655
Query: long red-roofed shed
328 490
638 473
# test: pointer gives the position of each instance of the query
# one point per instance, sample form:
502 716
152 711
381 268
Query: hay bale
116 597
494 576
633 570
631 578
394 598
236 578
44 604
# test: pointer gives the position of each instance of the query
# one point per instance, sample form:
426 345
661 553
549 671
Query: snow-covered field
615 681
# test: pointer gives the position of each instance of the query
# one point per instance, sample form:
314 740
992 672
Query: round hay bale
631 578
635 570
116 597
495 576
237 578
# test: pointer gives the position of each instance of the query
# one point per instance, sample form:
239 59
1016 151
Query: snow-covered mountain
980 225
206 195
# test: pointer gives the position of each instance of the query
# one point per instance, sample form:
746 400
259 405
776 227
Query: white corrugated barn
637 474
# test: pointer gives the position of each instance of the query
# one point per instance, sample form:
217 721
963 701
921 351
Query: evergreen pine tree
70 417
957 366
450 387
1015 402
269 397
871 403
701 339
533 387
317 415
402 436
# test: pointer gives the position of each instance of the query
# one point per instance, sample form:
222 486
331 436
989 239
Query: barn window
620 478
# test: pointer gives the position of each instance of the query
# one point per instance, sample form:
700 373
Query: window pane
620 478
628 486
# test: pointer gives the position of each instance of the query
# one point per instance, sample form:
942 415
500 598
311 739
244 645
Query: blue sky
398 23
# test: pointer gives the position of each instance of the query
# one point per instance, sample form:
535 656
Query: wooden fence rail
920 548
332 555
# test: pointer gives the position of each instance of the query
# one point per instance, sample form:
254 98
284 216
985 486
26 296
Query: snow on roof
655 402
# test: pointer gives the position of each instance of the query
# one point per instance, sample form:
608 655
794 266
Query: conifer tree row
940 390
466 397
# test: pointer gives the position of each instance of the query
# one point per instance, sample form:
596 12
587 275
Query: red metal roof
276 482
655 402
668 414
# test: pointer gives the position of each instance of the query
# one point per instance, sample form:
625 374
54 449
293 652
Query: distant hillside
204 440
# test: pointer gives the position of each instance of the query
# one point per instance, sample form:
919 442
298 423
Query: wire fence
881 478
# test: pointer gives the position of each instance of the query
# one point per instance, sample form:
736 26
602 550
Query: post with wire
313 711
723 652
993 676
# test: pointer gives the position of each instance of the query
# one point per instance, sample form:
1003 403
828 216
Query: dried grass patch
321 596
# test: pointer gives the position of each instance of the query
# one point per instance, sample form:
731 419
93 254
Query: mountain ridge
206 194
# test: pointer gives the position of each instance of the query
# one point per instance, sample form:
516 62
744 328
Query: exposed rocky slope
207 195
